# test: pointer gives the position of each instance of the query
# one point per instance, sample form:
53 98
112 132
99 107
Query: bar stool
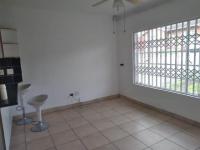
37 103
23 89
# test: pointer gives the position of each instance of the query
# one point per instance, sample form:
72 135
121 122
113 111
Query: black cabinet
10 76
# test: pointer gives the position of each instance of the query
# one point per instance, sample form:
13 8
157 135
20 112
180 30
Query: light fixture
119 13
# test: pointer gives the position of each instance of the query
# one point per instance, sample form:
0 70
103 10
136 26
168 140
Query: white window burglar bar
168 57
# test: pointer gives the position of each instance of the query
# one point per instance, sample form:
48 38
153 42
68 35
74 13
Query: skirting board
60 108
173 115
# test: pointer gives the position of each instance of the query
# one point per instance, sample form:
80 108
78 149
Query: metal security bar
168 57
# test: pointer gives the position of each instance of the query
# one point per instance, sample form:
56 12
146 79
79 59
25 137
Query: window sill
168 91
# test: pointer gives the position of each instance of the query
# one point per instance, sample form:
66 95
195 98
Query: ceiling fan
116 2
117 6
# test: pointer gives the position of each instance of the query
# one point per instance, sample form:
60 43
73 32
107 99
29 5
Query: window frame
156 87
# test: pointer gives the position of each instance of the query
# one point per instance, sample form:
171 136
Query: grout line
177 144
25 137
131 134
78 138
115 125
157 143
51 134
52 139
118 125
89 121
100 131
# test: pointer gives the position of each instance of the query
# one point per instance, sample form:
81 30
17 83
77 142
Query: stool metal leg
24 120
41 125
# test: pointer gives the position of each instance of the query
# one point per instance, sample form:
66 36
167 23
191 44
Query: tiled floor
115 124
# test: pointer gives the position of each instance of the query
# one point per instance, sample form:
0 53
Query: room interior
83 75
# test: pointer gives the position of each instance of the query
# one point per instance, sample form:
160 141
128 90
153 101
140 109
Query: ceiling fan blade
133 1
99 3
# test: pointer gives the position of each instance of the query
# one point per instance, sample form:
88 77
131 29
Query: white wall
6 19
172 12
62 52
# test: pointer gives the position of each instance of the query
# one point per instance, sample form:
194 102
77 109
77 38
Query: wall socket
71 94
74 97
74 94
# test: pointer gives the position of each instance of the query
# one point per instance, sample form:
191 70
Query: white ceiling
82 5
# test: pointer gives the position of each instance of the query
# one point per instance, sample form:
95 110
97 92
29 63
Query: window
168 57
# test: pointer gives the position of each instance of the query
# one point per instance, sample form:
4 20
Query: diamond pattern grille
169 73
169 55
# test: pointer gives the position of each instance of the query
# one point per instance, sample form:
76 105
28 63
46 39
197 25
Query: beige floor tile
77 122
64 137
114 133
166 145
84 110
194 131
107 147
101 109
18 147
93 106
85 130
180 123
57 127
148 121
78 109
185 140
70 114
165 129
58 120
36 135
75 145
148 138
110 113
94 140
53 117
93 116
129 143
123 109
132 127
87 112
17 130
40 144
119 119
17 140
134 115
103 124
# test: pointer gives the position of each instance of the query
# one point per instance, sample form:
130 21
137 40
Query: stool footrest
24 121
39 127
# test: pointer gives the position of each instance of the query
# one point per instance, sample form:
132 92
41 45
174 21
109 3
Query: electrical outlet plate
1 72
74 97
76 93
71 94
10 71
